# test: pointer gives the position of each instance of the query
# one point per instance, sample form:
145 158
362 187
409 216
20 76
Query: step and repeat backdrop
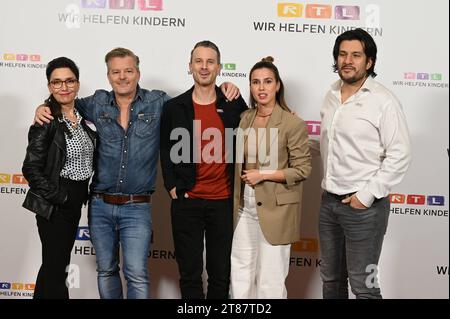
412 39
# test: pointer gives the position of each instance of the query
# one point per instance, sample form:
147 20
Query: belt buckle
133 198
128 199
121 199
113 199
124 199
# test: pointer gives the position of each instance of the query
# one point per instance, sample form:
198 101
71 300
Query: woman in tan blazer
272 161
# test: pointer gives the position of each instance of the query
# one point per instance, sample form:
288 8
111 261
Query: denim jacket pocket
146 124
109 127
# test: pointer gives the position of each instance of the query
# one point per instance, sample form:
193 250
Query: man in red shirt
195 157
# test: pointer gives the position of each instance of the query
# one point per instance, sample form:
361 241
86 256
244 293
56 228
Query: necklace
265 115
268 108
73 123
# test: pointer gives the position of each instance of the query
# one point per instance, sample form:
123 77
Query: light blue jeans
129 227
350 245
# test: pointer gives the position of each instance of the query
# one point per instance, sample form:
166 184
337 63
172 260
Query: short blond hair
121 53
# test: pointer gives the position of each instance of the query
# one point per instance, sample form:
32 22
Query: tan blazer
278 204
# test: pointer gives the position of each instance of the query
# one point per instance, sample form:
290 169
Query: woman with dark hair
273 160
58 166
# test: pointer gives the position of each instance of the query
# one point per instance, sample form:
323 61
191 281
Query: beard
357 76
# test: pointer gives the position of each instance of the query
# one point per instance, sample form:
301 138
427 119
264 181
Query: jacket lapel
271 140
59 139
247 122
241 136
187 106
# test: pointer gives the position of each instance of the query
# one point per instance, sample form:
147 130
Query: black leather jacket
45 158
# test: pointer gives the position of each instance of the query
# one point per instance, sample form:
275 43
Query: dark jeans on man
57 237
350 244
194 223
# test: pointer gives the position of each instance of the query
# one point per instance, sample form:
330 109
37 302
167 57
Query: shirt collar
368 85
139 95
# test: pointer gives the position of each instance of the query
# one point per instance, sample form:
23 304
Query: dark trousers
57 237
195 223
350 244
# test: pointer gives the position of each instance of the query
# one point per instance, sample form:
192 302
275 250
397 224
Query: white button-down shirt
364 142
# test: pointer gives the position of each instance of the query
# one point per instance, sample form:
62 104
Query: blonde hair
121 53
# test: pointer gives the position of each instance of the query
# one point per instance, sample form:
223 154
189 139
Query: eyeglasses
57 84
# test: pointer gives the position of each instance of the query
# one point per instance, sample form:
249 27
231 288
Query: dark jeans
57 237
350 244
195 222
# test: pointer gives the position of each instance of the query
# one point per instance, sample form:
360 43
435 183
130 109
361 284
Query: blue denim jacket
125 161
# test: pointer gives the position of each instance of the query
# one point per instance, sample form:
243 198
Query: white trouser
258 269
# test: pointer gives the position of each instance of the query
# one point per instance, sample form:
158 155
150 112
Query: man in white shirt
365 151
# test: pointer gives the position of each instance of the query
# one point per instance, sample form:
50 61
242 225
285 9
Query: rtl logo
16 286
318 11
12 179
411 199
143 5
229 66
422 76
21 57
83 233
313 127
